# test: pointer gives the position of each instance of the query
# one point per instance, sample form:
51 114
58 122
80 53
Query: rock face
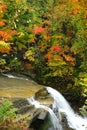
23 106
44 98
41 120
41 94
40 115
37 117
16 86
65 123
17 90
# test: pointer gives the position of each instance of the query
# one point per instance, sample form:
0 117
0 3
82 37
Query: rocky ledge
38 117
34 115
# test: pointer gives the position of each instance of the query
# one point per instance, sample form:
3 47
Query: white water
61 105
74 120
55 121
14 77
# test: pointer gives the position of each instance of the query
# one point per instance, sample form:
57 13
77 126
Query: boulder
41 94
39 114
44 98
40 120
65 123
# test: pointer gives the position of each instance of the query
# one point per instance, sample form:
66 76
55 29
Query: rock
39 114
44 98
41 94
40 120
37 117
65 123
29 73
20 102
42 115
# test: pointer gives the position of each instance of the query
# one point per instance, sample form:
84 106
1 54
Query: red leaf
56 48
38 30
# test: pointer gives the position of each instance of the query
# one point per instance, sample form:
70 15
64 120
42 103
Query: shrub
9 118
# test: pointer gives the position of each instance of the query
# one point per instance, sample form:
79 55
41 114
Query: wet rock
40 120
41 94
39 114
23 106
20 102
65 123
29 73
83 109
44 98
37 117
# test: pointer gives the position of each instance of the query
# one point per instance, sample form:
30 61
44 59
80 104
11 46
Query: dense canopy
48 37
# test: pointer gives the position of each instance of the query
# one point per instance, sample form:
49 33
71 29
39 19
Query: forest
49 39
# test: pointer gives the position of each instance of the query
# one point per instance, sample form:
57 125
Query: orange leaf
59 37
75 1
68 58
7 35
48 56
2 23
3 7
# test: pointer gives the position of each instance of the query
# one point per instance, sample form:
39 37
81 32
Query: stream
22 87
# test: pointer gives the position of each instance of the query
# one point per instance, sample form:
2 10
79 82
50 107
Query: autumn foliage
47 38
6 34
48 35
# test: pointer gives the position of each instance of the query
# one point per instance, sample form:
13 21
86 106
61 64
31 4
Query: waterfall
74 120
55 121
60 106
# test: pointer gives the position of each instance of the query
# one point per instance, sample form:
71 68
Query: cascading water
61 106
74 121
55 121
